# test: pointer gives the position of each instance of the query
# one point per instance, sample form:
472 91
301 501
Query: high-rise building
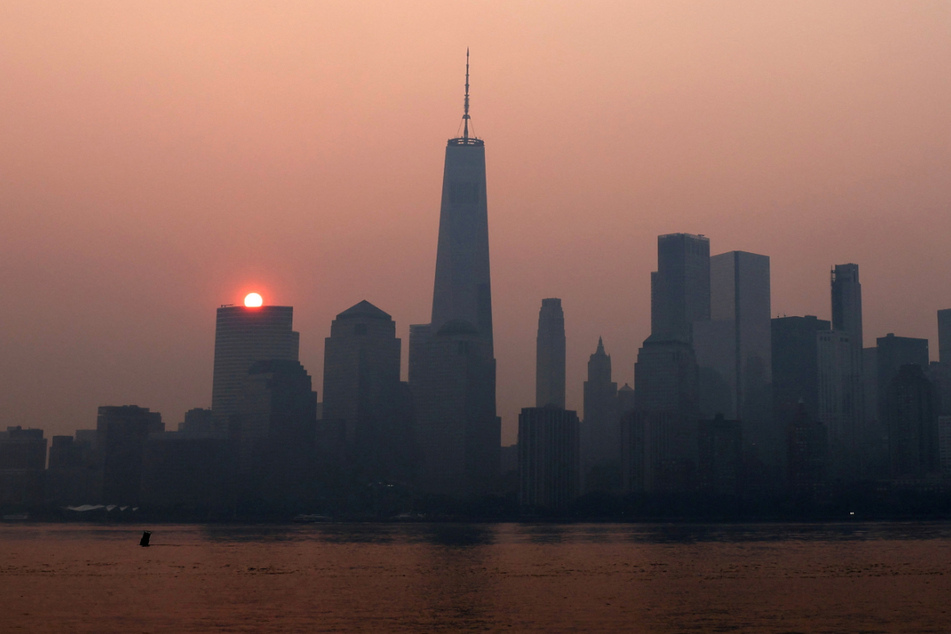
894 352
548 457
944 336
852 436
452 363
550 355
22 466
363 393
795 359
457 431
680 287
795 366
243 336
808 456
847 302
123 431
275 432
720 456
836 404
740 299
601 436
912 424
462 288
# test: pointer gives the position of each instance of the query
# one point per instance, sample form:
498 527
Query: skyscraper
548 462
740 296
601 439
680 287
550 355
123 431
244 335
944 335
452 364
363 393
462 289
851 437
847 302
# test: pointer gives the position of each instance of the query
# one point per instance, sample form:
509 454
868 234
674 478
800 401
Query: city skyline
144 190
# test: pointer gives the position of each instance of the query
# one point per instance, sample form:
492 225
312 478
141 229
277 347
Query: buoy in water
146 535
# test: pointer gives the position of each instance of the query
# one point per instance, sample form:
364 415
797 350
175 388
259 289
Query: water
887 577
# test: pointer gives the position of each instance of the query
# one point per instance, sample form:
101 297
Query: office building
601 434
275 431
243 336
944 336
740 323
548 458
912 424
364 396
680 287
22 466
123 431
720 456
452 363
550 355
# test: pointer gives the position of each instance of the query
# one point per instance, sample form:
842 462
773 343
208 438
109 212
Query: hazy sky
160 159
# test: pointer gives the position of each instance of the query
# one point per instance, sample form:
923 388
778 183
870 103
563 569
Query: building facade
550 355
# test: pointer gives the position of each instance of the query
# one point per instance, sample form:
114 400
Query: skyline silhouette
162 161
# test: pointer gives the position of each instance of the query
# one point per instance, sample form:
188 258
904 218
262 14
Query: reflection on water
430 577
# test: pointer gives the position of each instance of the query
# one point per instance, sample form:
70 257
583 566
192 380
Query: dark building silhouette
364 396
836 406
457 431
276 435
548 457
944 335
796 379
665 378
680 287
452 363
940 371
890 355
198 421
658 452
740 322
848 428
243 336
550 355
912 424
795 344
808 456
74 475
188 472
720 456
666 375
123 431
601 432
22 466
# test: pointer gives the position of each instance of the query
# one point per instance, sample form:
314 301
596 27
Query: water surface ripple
854 577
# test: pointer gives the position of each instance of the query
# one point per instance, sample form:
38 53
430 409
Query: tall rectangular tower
363 393
680 287
244 335
740 296
944 335
550 355
452 363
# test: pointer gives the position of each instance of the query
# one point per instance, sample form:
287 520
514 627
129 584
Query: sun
253 300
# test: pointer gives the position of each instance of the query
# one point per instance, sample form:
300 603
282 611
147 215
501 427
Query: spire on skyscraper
465 139
465 107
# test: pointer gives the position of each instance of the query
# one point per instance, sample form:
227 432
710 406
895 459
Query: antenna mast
465 113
